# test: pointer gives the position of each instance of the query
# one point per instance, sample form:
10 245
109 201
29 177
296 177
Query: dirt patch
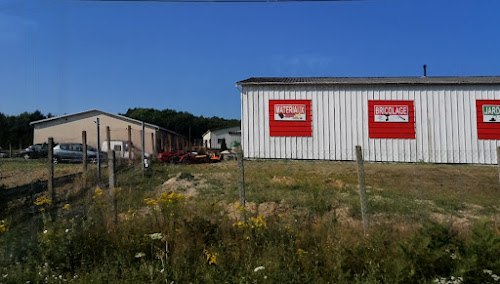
184 183
266 209
288 181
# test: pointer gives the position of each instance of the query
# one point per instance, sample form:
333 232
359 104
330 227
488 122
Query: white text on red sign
391 113
290 112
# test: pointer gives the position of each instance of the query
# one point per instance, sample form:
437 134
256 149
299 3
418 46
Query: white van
120 148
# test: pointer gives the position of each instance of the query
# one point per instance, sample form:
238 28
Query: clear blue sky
69 56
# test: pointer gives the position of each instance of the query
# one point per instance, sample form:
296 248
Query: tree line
15 130
181 121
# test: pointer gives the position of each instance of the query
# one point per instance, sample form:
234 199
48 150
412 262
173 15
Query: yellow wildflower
43 200
3 227
211 258
170 198
301 252
257 222
239 225
66 206
97 193
151 201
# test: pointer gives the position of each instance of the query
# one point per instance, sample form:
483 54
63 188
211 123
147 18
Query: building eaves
121 117
475 80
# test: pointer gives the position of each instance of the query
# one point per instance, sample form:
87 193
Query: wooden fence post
10 150
153 149
362 189
108 137
112 184
241 170
84 151
50 181
129 142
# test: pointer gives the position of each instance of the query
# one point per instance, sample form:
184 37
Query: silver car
73 152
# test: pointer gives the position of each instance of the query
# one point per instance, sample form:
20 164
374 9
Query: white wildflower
66 231
45 231
140 254
258 268
156 236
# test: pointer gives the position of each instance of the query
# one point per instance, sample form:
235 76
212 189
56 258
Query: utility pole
98 151
142 147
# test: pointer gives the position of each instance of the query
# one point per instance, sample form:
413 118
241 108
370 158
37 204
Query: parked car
35 151
73 152
2 154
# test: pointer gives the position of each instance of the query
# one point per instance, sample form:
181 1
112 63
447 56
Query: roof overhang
100 112
475 80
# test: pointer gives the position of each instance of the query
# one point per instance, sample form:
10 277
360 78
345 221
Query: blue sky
69 56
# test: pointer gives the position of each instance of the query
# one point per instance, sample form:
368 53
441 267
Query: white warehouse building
394 119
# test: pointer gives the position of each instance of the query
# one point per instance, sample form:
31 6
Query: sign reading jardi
491 113
290 112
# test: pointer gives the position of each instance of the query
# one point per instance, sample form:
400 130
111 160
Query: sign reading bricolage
290 112
491 113
391 113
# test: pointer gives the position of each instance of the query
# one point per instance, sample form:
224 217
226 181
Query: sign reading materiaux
290 112
391 119
290 118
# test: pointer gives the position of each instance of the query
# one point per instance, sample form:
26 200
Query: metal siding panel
267 136
251 137
338 125
262 127
320 119
402 146
371 142
351 122
326 124
299 147
293 140
482 145
461 124
413 142
468 130
272 146
383 142
378 152
346 129
418 125
398 145
364 124
449 126
310 141
244 122
358 122
442 126
490 145
473 124
331 122
454 126
436 125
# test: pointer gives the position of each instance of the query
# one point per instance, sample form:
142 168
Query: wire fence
402 193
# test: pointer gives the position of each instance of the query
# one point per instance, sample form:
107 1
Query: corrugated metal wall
446 124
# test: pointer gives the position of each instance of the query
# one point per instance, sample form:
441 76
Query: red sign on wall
488 119
391 119
290 118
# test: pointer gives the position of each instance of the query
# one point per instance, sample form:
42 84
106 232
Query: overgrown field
301 224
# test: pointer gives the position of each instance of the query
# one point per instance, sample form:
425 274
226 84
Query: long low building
397 119
68 129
